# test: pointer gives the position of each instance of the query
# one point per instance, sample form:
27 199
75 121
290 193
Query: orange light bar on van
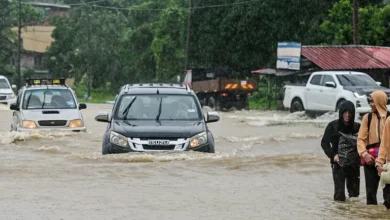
235 86
228 86
250 86
244 86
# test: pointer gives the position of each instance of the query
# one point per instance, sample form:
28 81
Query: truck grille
158 147
159 138
3 97
52 123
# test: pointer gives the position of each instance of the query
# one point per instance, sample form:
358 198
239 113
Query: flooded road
267 165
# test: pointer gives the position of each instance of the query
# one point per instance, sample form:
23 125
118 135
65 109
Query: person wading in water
346 168
369 140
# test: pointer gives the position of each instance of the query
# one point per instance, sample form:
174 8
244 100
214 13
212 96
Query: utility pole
19 81
89 54
356 22
188 36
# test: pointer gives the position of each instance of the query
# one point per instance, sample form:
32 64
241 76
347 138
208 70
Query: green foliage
100 95
149 45
372 24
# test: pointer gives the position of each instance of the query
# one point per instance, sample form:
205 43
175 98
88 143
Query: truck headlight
29 124
75 123
118 139
359 96
198 140
11 96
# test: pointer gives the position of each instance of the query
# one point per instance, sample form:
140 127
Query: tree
338 28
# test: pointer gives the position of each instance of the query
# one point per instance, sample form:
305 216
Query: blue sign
289 55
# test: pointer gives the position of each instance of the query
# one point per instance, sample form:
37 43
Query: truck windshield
48 99
356 80
4 84
158 107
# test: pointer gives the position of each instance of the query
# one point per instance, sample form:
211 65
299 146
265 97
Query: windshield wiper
128 123
159 111
348 80
44 98
124 113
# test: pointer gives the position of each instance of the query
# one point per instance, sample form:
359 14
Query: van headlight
29 124
118 139
198 140
359 96
76 123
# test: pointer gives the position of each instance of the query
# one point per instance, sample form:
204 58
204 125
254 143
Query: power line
154 9
161 9
83 3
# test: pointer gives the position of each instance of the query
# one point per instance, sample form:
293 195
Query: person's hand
336 158
380 169
370 160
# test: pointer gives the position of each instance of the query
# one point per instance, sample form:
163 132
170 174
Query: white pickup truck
326 90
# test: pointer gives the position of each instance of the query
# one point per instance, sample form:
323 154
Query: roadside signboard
289 55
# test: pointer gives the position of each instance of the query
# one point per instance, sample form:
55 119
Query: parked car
157 117
326 90
7 95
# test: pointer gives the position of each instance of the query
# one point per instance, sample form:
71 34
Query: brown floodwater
267 165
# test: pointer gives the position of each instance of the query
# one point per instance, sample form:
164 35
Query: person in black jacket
330 144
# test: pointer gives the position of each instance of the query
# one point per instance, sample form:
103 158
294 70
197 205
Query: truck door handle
321 90
308 89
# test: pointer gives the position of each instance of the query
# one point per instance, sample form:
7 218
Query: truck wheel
214 104
296 106
208 149
211 102
105 150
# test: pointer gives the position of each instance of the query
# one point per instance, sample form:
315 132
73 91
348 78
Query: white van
7 95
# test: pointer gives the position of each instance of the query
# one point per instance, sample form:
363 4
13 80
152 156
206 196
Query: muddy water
268 165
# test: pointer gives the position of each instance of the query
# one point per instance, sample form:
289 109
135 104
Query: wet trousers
351 175
372 183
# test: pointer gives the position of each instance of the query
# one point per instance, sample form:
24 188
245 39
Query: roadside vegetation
128 41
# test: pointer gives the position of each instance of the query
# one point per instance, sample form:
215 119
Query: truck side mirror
330 84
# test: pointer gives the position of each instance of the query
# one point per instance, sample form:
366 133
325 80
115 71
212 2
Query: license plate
158 142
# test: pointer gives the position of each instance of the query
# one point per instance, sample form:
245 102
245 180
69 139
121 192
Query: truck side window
327 78
316 80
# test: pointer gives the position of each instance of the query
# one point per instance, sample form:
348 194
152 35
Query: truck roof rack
127 87
45 82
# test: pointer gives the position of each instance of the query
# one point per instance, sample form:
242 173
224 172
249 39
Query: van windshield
49 99
4 84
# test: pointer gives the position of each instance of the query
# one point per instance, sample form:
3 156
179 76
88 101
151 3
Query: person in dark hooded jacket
330 144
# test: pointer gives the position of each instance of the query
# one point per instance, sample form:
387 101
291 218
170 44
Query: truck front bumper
80 129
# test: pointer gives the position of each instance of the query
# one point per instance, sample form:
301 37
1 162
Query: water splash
13 137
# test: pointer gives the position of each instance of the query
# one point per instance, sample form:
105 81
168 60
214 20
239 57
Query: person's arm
363 137
326 142
385 145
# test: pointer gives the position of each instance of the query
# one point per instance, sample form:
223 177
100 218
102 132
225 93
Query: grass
261 104
98 96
